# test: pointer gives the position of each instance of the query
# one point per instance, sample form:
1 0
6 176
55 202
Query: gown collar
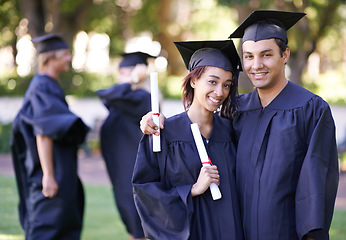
291 96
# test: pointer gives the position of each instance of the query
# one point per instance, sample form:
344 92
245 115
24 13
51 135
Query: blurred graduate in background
127 102
44 144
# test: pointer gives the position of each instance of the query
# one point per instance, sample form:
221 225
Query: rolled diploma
155 108
214 189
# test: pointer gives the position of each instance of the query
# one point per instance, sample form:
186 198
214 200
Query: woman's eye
212 81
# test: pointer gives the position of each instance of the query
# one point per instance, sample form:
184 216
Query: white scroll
155 108
214 189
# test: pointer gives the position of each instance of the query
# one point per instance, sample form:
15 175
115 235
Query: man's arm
45 153
148 126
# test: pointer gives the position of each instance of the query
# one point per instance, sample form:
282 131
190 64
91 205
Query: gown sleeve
165 211
134 103
51 116
318 180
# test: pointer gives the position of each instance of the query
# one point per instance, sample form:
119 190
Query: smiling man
287 164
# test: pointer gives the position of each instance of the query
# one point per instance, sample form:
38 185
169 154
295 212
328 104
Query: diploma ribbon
156 114
209 162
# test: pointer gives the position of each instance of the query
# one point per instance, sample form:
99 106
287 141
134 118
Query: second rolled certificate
155 108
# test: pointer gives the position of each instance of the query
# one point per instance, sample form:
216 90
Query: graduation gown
120 136
46 112
162 182
287 165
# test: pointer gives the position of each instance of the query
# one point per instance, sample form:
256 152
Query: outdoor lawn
102 221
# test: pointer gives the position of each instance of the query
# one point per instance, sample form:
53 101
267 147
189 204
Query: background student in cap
171 188
45 140
287 164
127 102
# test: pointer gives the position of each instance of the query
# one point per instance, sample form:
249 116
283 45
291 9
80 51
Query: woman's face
212 88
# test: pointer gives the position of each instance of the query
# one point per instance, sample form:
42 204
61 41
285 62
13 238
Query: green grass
338 230
101 219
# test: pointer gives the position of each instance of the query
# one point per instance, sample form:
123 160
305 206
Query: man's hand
45 153
49 186
148 126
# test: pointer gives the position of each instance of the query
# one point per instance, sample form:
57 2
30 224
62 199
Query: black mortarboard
132 59
50 42
222 54
266 24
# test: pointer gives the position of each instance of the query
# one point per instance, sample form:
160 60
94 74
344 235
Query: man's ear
286 55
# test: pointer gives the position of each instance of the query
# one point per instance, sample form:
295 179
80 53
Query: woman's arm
45 153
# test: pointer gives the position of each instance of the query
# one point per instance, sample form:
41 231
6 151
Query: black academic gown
120 136
46 112
287 165
162 182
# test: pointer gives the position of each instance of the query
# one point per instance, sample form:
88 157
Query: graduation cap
50 42
132 59
266 24
222 54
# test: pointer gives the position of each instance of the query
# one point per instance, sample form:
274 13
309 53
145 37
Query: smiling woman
171 187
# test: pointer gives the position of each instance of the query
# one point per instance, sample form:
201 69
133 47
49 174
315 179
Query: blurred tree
172 20
55 16
181 20
9 21
304 37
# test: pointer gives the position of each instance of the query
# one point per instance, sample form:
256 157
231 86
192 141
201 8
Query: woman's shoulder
222 123
177 128
222 129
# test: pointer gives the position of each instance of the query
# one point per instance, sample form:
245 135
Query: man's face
62 60
263 63
125 75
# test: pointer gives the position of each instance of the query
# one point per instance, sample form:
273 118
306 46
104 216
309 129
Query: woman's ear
193 82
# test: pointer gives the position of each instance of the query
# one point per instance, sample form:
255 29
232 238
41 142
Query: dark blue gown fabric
287 165
46 112
162 183
120 136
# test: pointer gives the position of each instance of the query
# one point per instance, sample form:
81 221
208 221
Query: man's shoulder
298 96
294 96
